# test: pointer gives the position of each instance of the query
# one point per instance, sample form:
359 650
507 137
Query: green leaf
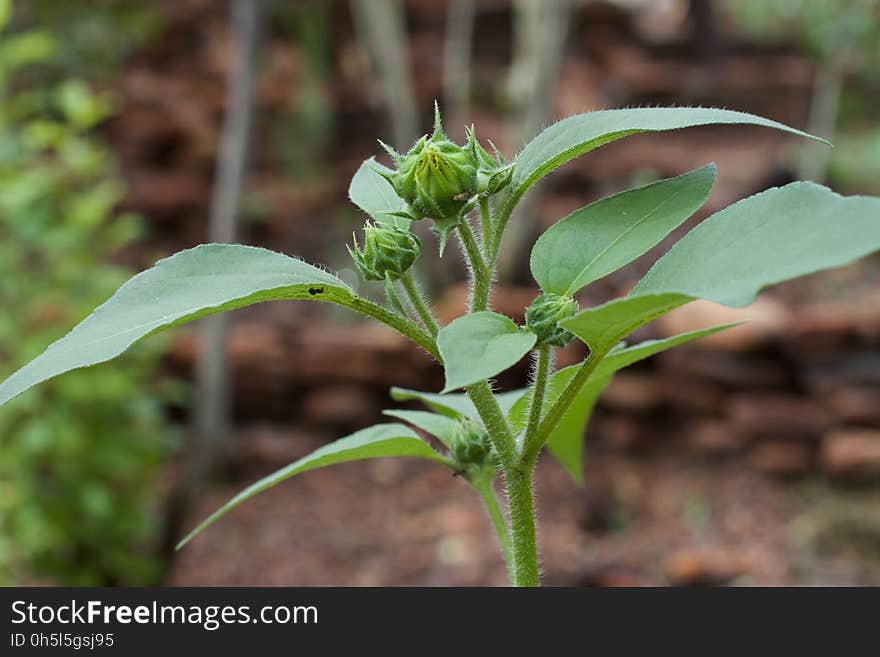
191 284
480 345
621 358
604 326
578 134
566 440
375 442
566 443
438 425
603 236
454 405
374 195
768 238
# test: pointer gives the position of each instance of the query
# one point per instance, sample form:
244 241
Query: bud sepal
545 313
389 252
471 446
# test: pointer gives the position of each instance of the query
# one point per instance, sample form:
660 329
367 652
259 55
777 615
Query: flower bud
436 177
544 315
441 180
470 444
388 251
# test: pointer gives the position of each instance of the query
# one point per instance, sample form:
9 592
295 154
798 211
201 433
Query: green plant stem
479 271
392 296
486 490
518 477
554 415
496 424
486 228
400 324
522 524
418 303
502 216
517 472
542 371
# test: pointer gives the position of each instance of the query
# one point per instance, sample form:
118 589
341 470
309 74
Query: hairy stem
496 424
391 295
487 492
486 228
502 216
400 324
418 303
554 415
481 276
522 524
518 476
542 371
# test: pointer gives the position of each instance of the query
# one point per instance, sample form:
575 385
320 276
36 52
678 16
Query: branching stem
481 276
400 324
496 424
418 302
554 415
542 371
486 229
393 298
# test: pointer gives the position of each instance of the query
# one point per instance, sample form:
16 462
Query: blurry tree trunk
540 30
381 28
457 64
213 402
213 410
703 32
822 122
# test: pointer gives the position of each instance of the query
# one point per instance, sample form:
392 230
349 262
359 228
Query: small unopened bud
443 181
388 251
436 177
470 444
544 315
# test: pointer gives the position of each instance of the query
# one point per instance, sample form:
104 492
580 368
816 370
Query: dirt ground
664 519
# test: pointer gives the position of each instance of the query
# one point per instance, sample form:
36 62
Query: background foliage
80 456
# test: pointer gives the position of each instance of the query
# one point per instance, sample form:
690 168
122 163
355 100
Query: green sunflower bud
544 315
442 181
436 177
470 444
388 251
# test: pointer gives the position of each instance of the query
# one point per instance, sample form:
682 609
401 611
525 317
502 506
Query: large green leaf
191 284
603 236
454 405
768 238
765 239
578 134
566 440
375 442
604 326
439 425
374 195
480 345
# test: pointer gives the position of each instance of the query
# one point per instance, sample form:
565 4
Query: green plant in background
304 132
91 39
80 455
843 36
771 237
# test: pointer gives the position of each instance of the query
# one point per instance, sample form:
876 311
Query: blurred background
130 129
